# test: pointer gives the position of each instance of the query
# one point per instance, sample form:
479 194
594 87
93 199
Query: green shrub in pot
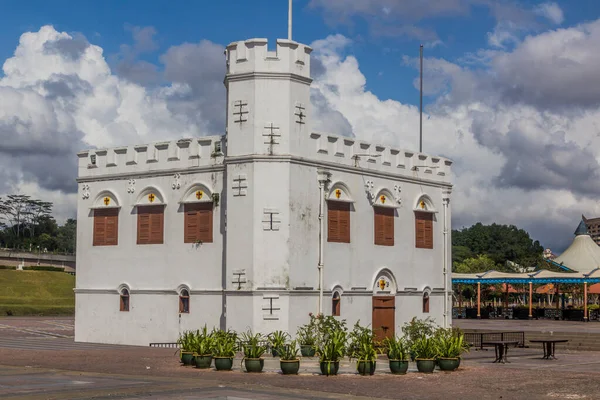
288 358
398 354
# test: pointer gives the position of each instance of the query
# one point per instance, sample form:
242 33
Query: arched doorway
384 305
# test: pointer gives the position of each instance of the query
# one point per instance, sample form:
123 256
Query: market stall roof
536 277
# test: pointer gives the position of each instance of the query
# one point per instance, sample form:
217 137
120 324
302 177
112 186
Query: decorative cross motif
239 185
241 278
270 307
176 183
106 201
131 187
199 194
85 191
272 134
240 113
151 197
271 220
270 310
300 115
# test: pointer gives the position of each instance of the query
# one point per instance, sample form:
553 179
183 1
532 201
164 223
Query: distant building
593 225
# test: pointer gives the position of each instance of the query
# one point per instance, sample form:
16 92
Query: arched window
335 304
184 301
425 302
124 303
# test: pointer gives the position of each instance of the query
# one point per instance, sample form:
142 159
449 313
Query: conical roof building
583 255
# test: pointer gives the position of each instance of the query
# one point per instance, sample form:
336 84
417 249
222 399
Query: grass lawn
36 293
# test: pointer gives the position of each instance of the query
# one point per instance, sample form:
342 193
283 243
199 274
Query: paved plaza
39 360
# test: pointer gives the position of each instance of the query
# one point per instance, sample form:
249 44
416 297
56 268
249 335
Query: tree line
27 224
503 248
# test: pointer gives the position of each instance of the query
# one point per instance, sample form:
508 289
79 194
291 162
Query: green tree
66 236
501 243
481 263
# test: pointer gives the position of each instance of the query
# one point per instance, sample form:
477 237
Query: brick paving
60 370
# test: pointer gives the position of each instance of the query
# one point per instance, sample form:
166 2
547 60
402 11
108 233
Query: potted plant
277 340
425 352
331 350
306 336
450 345
224 350
288 358
203 345
253 351
362 347
186 350
415 329
398 354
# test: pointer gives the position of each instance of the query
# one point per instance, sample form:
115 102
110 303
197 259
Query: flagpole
289 19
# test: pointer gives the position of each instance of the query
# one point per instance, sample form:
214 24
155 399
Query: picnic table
549 346
501 347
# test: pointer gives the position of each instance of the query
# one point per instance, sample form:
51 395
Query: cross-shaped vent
272 136
239 278
240 185
270 307
271 219
300 114
240 112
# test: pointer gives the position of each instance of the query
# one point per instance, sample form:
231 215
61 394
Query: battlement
175 154
357 153
253 55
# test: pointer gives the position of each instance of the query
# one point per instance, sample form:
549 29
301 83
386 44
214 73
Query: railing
476 339
164 345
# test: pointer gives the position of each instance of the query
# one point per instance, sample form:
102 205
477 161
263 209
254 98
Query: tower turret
268 96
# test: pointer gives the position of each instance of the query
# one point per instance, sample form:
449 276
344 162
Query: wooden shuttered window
424 230
151 223
384 226
198 223
338 222
106 227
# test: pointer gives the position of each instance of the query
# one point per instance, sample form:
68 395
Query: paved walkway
41 365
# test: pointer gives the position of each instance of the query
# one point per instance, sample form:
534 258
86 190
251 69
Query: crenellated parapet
253 56
174 154
357 153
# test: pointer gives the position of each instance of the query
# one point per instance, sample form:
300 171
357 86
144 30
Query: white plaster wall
157 266
240 225
151 317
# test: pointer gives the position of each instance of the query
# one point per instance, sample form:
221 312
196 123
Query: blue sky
512 90
105 23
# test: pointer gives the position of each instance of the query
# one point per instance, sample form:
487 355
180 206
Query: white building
225 230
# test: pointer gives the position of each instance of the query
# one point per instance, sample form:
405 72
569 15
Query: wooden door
384 322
